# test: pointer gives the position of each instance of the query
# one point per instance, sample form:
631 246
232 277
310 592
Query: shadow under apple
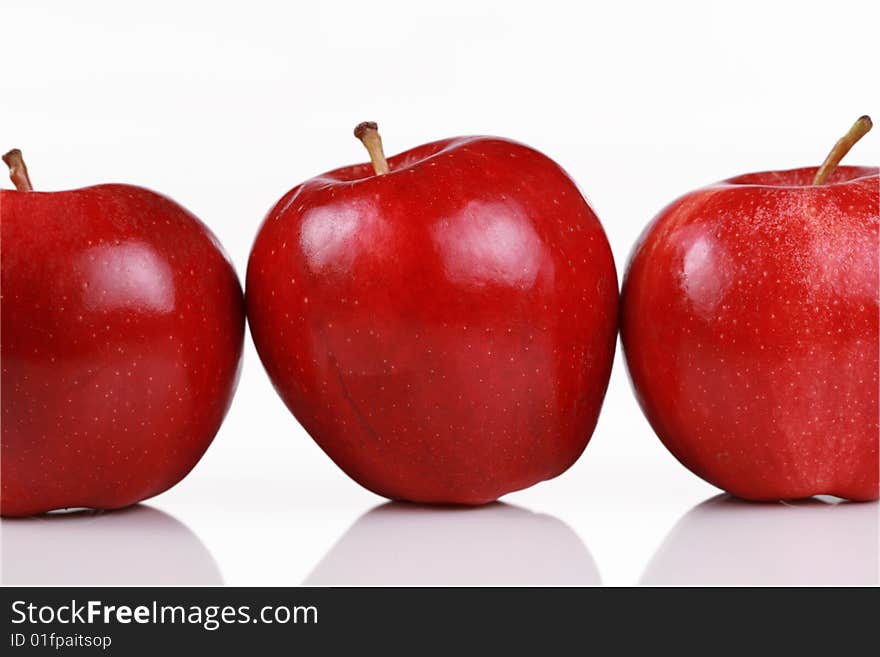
727 541
139 545
496 544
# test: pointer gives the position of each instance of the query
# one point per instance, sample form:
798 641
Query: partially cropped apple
122 331
442 322
750 327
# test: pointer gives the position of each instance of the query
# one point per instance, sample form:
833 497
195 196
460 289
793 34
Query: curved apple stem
859 129
368 133
18 173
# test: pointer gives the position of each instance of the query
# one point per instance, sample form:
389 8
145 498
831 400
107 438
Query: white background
225 106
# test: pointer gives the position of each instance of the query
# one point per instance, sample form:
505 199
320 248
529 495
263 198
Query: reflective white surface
812 542
326 541
498 544
138 545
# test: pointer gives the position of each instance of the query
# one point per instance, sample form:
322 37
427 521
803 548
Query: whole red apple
441 323
750 328
122 330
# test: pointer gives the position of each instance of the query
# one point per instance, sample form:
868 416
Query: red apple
443 323
122 332
750 328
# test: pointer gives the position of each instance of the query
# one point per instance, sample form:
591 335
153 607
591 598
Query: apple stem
18 173
859 129
368 133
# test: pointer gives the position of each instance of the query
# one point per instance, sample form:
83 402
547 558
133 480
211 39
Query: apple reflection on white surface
139 545
726 541
497 544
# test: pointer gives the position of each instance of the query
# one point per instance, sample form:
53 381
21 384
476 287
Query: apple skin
445 331
123 324
749 325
